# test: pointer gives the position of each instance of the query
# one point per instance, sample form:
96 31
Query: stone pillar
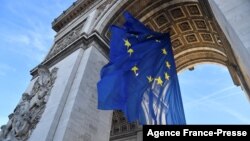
71 113
139 136
233 18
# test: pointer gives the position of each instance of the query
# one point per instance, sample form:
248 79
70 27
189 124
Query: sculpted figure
8 127
21 119
44 75
44 81
21 125
2 132
7 130
23 107
29 110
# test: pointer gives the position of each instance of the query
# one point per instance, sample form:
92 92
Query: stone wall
233 17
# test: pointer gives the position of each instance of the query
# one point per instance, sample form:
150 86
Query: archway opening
210 97
196 37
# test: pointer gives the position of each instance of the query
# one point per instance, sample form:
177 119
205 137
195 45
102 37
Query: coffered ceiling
195 35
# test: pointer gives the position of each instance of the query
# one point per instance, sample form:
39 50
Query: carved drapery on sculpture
29 111
65 41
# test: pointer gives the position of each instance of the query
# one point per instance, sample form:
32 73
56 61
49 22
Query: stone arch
195 35
192 26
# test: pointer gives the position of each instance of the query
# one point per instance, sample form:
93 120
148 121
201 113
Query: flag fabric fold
140 78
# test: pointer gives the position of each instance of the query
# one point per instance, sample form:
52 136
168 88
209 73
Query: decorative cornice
84 41
77 8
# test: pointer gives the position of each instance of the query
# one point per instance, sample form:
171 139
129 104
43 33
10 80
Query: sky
25 38
208 93
210 97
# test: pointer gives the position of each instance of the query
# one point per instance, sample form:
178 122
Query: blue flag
141 78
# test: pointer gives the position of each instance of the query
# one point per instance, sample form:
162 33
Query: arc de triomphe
60 102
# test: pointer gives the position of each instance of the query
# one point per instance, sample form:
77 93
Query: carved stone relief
65 41
120 126
28 112
103 7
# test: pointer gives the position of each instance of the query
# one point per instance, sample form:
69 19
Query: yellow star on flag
130 51
166 76
168 65
135 69
159 81
127 43
150 79
164 51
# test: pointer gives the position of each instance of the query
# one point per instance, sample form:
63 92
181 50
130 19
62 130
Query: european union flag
141 78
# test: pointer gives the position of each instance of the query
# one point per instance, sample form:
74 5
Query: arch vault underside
195 35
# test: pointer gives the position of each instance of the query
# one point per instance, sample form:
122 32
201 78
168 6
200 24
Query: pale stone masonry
62 94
